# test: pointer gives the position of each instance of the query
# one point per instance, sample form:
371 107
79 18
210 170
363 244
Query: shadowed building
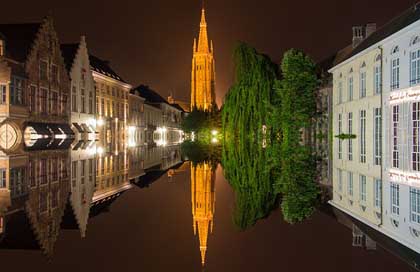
203 76
203 203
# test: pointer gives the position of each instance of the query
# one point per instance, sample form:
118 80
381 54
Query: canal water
179 218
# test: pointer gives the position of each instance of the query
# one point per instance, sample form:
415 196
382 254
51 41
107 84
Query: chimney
370 28
358 35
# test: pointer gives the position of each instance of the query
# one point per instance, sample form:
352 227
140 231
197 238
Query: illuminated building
162 120
203 75
83 98
203 204
34 85
384 192
135 122
111 104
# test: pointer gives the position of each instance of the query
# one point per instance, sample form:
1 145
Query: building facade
203 75
83 96
34 86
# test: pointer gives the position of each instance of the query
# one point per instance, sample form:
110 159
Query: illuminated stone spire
203 74
203 204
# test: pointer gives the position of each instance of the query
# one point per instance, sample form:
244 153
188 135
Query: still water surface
149 226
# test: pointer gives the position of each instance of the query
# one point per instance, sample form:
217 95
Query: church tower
203 76
203 203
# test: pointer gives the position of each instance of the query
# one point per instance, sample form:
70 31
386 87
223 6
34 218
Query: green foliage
248 106
202 123
344 136
297 106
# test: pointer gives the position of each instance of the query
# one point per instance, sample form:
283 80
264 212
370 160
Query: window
340 180
16 91
395 74
395 132
74 99
377 136
91 102
362 185
43 98
340 92
378 75
362 84
395 199
350 141
377 193
32 98
82 101
415 205
103 107
54 73
415 150
350 87
43 70
415 67
350 184
2 178
3 94
54 102
363 136
340 142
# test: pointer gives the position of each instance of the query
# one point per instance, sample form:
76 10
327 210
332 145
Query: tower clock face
8 136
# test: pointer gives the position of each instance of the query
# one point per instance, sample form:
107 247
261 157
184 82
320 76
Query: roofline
376 45
110 79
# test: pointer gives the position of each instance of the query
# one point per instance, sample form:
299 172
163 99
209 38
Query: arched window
395 69
395 223
350 85
395 50
363 65
415 40
415 233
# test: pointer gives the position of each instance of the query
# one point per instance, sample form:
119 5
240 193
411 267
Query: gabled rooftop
103 67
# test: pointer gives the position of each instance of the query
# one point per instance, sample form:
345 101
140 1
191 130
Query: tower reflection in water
203 198
44 192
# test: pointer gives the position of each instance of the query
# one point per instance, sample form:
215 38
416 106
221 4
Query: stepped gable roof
19 39
103 67
405 19
69 52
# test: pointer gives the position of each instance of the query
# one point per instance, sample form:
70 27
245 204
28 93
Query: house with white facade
389 176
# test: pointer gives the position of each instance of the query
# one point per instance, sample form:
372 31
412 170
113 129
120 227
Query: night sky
150 42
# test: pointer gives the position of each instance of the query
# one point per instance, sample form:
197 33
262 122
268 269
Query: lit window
415 205
378 193
395 133
363 136
340 131
378 75
362 185
350 184
415 67
378 135
3 94
2 48
395 199
350 87
2 178
362 84
395 74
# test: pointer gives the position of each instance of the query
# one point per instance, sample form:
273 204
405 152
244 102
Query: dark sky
150 42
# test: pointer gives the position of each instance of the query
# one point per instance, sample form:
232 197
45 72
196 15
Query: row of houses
54 95
371 90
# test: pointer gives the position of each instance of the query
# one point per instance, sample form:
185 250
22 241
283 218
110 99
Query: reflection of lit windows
378 193
415 150
362 188
2 178
350 141
415 205
395 199
378 135
350 183
395 134
363 136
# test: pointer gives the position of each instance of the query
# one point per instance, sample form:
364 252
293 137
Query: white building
394 69
82 99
